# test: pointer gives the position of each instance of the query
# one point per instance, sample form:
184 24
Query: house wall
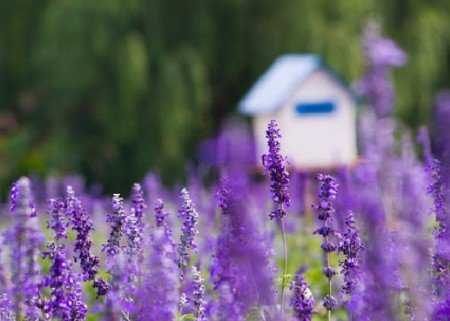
314 141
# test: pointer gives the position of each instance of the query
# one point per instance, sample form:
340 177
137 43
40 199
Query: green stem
330 290
285 264
329 293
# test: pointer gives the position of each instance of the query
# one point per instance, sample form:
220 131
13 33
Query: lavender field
248 239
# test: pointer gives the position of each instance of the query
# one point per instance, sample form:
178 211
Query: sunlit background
112 89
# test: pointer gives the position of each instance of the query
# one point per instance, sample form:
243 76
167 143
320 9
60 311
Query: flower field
369 242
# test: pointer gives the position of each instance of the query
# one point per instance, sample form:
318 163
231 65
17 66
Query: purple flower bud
329 272
329 302
302 301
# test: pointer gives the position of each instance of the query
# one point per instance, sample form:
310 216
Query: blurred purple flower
158 297
242 257
441 256
382 55
24 240
160 214
379 277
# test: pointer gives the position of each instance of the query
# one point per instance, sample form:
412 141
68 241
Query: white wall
314 141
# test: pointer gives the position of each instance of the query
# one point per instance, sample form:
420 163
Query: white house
316 112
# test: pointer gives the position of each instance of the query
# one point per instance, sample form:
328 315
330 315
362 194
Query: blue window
318 108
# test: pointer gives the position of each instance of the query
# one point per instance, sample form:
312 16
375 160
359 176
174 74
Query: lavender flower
57 220
65 299
275 165
24 240
132 229
242 257
6 313
160 214
379 268
138 207
116 220
138 201
325 210
442 310
441 257
302 300
382 54
82 225
157 299
350 246
198 294
189 217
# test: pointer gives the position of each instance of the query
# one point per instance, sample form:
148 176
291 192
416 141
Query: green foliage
113 88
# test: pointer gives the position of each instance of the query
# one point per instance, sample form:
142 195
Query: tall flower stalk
82 225
24 240
440 261
241 269
187 244
65 295
325 213
275 166
351 247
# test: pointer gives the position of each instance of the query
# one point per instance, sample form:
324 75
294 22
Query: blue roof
278 82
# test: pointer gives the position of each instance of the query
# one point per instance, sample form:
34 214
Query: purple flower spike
24 240
57 222
158 297
302 301
138 201
275 165
198 294
441 257
351 247
116 220
82 225
325 213
65 299
133 231
189 217
160 214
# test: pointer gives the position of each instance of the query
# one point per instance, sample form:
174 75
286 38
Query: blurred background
111 89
